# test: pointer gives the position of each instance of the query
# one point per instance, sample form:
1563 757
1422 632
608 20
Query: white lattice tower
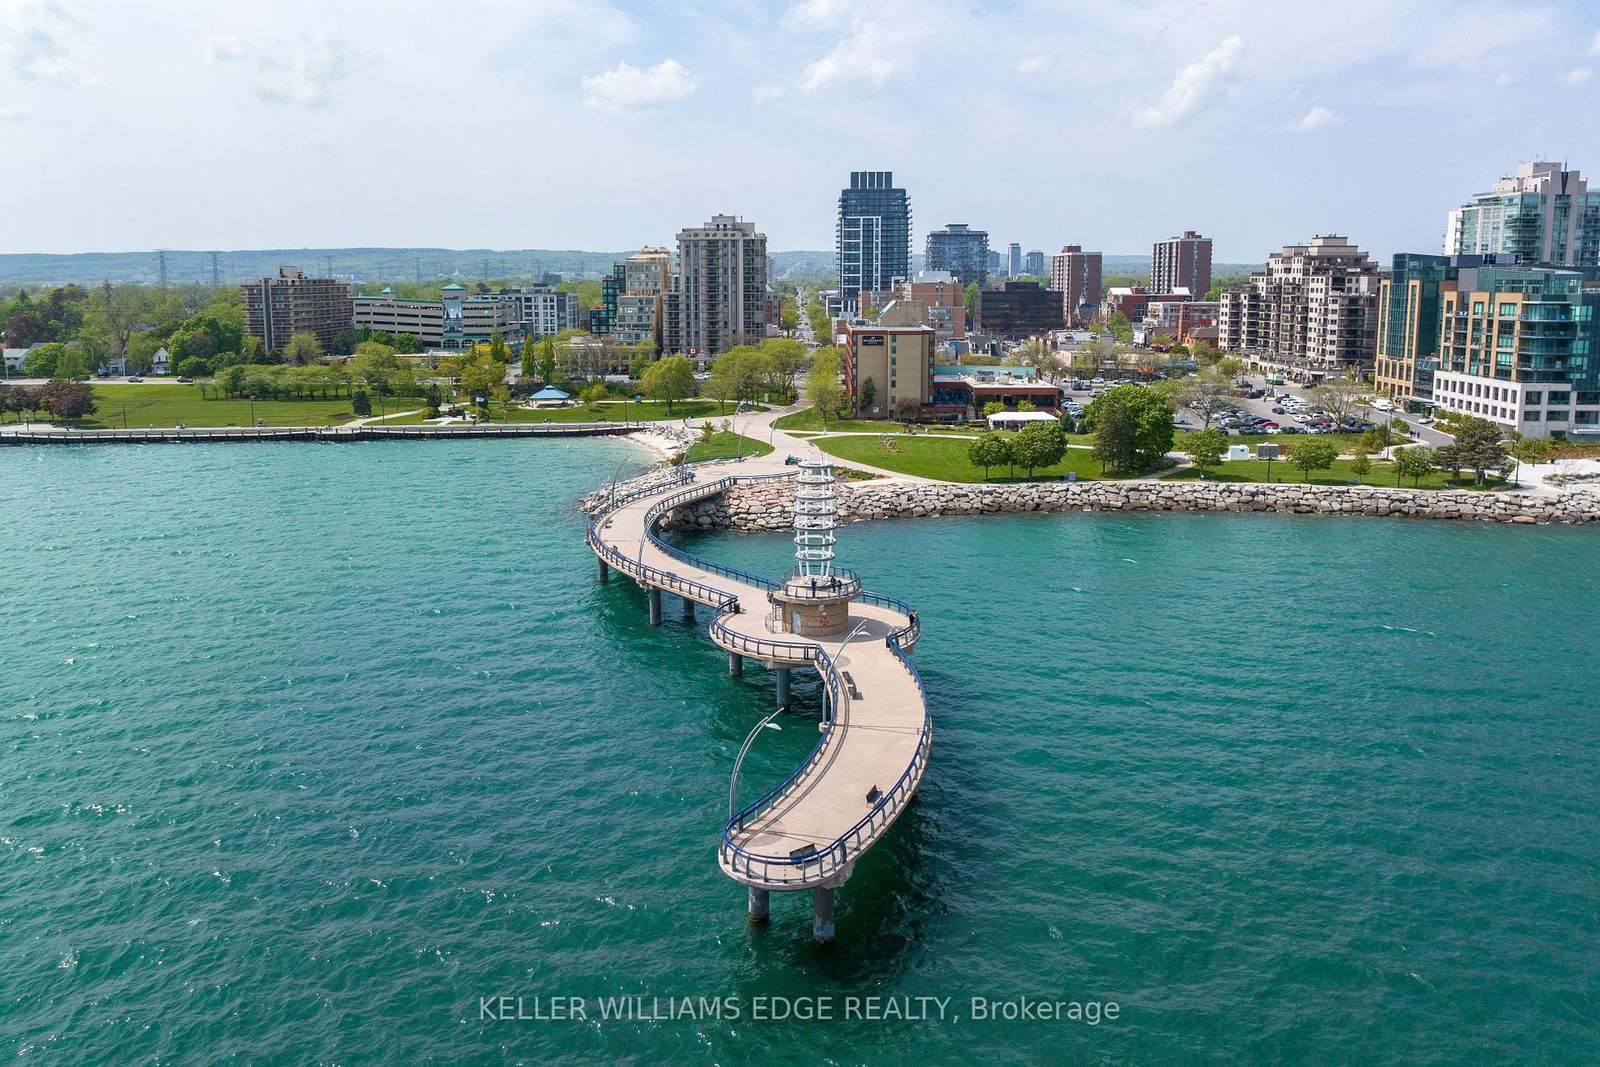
816 511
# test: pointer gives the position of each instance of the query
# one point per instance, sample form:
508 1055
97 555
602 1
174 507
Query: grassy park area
1345 441
1381 474
608 411
945 458
725 444
809 419
163 406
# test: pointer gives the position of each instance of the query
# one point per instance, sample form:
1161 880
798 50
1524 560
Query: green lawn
647 411
810 420
1346 441
167 405
946 459
725 444
1382 474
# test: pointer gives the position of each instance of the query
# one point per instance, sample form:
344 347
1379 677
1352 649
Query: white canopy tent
1015 420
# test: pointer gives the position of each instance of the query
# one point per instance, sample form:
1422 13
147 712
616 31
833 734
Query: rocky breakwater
770 506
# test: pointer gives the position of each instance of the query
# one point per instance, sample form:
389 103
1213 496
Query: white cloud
1577 75
762 93
14 113
1507 78
1318 118
628 88
817 14
1594 45
1031 65
302 74
30 42
1192 87
222 48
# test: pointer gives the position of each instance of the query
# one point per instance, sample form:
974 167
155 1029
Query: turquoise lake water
304 749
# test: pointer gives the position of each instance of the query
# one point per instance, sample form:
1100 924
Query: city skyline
1243 123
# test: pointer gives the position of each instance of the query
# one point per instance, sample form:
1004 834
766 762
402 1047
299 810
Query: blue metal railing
820 864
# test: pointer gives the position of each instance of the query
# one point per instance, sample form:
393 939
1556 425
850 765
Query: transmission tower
161 267
216 269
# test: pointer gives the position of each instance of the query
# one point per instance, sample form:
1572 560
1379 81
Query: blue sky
129 124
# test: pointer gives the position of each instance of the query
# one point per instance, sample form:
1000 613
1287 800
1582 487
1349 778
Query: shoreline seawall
771 506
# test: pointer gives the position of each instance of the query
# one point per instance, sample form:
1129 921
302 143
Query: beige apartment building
1311 314
721 292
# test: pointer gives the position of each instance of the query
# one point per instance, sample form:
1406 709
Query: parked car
1254 431
135 378
1268 425
182 380
1277 409
1426 420
1293 429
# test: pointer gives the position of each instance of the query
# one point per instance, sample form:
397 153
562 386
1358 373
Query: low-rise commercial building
961 391
886 364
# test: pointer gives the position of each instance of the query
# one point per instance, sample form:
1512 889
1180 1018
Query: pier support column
759 902
735 665
688 610
783 687
605 571
822 914
655 607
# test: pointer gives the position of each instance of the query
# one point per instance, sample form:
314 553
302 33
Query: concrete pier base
783 687
688 611
655 607
822 915
760 901
735 665
605 571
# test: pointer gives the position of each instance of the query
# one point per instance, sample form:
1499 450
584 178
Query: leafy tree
1207 393
22 329
479 376
822 384
381 370
1205 448
193 367
1478 447
593 395
668 379
406 344
1026 405
1119 327
547 360
989 449
41 362
1132 428
1339 399
303 348
72 364
434 399
993 407
969 297
1413 463
139 355
782 359
788 318
1040 444
361 404
66 400
866 394
908 409
1312 454
1360 465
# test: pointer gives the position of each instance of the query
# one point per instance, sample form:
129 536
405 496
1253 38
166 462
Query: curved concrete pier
807 831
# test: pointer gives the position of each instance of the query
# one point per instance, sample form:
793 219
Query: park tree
1312 454
989 449
1478 447
479 376
867 394
993 407
783 359
139 353
1205 448
68 401
1132 428
547 360
594 395
668 380
360 403
303 348
1040 444
822 383
72 364
1360 465
1414 463
41 362
1206 393
908 409
1339 399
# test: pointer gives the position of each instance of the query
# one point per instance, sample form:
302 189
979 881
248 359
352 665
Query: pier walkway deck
807 831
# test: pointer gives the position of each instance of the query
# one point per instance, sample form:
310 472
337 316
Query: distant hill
185 266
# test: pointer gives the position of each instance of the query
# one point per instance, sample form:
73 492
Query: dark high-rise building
275 309
960 250
1020 309
873 236
1033 264
1014 260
